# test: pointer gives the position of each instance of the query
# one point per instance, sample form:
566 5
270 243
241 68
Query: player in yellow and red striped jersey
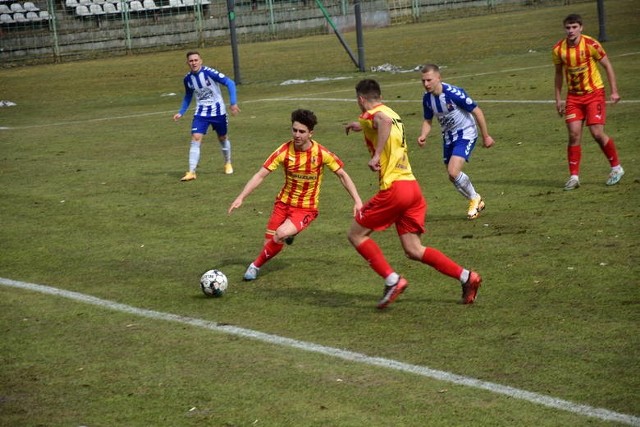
576 60
296 205
399 201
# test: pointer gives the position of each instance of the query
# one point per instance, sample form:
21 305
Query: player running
399 201
459 117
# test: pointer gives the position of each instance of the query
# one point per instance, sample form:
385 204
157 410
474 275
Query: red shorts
402 205
590 107
300 217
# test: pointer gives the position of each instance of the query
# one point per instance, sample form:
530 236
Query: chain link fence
64 30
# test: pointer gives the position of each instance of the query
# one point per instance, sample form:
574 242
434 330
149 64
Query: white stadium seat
110 8
71 3
44 15
96 9
33 16
30 7
5 9
19 17
136 6
17 7
5 18
82 10
149 5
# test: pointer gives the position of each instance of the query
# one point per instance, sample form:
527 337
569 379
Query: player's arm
383 124
611 76
186 100
559 78
487 140
251 185
233 95
424 132
349 185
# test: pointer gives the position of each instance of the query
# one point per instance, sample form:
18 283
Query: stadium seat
33 16
30 7
5 9
174 4
85 2
17 7
19 17
149 5
136 6
5 18
189 2
82 10
44 15
110 8
96 9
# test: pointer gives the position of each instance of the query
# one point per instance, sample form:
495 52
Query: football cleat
251 273
572 183
189 176
289 240
470 288
476 205
228 169
615 176
392 292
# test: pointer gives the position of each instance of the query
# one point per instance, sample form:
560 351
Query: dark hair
369 89
193 52
574 18
306 117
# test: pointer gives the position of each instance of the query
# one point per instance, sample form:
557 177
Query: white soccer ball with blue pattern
214 283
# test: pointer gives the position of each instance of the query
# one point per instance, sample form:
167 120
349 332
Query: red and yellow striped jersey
394 160
303 172
580 64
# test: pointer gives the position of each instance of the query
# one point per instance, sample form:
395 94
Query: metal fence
62 30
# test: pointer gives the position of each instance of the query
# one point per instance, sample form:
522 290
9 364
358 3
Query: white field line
418 102
584 410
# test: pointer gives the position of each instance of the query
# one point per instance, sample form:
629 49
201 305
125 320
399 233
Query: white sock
392 279
464 186
464 276
225 147
194 155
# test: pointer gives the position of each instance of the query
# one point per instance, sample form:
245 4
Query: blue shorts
201 124
460 147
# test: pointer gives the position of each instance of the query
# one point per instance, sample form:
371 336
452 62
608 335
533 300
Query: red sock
610 151
442 263
574 154
371 252
269 250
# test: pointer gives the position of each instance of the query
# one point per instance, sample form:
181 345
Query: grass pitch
91 202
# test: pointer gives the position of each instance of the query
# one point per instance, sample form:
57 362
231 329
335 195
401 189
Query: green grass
91 202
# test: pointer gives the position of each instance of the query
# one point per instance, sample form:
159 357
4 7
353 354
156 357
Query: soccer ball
213 283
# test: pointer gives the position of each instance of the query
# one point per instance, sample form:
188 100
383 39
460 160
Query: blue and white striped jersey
205 84
453 110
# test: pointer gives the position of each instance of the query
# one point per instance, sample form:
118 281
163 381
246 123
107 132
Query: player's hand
234 109
488 142
422 140
235 205
353 126
560 107
176 117
374 163
615 98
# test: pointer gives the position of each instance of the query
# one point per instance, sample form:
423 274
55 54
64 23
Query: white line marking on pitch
585 410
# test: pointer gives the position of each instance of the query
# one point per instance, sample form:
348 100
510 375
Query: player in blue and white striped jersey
459 117
204 82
